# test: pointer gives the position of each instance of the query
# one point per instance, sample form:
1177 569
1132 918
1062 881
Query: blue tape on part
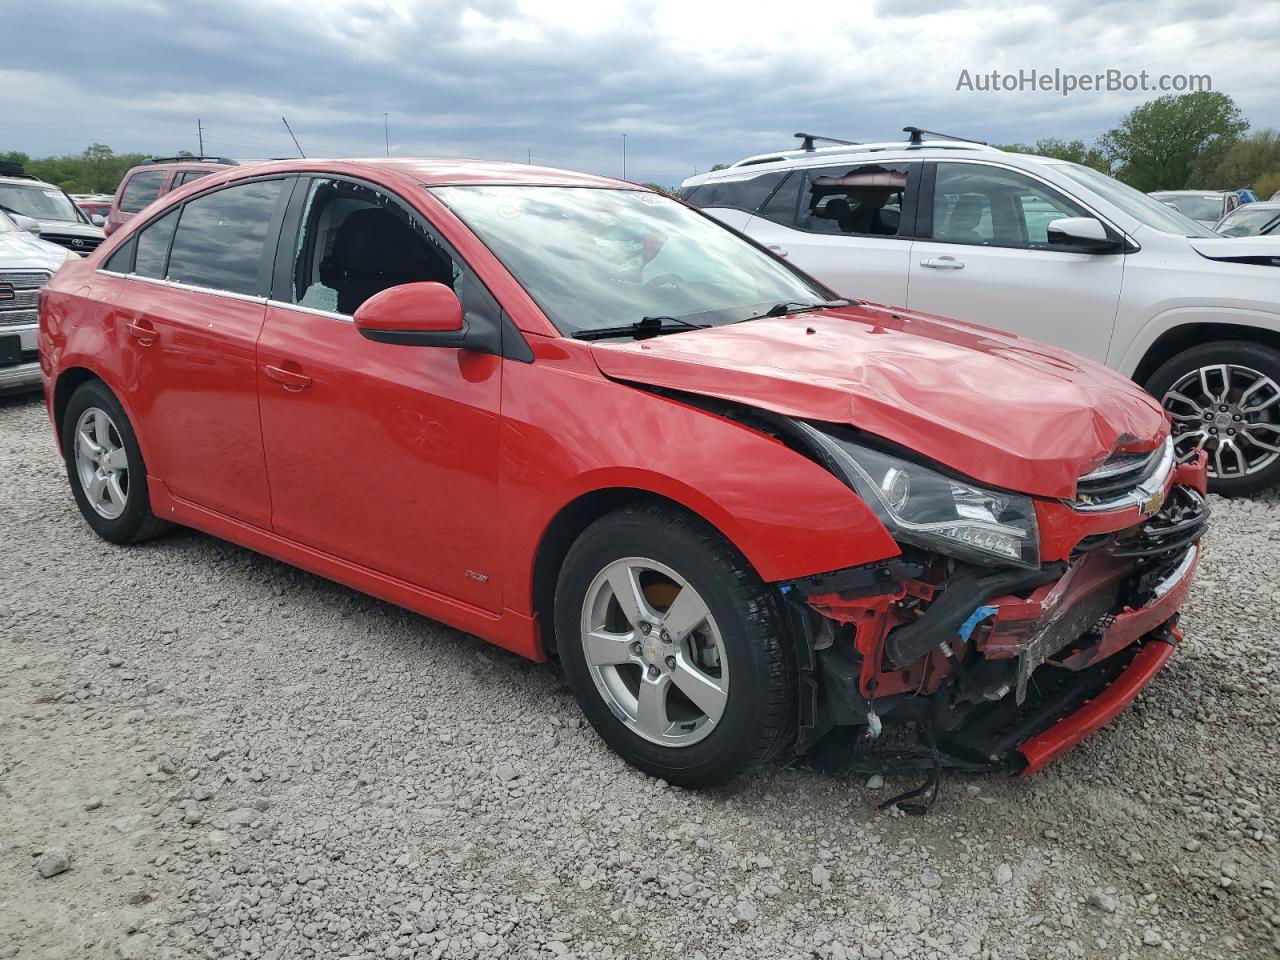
975 618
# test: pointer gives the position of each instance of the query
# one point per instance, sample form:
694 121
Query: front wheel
1225 399
673 647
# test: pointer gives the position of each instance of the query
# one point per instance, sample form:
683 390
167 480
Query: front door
383 455
988 260
190 309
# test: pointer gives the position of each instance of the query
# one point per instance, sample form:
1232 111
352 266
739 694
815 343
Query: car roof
429 171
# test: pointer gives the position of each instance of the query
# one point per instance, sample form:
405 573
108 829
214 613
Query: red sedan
586 422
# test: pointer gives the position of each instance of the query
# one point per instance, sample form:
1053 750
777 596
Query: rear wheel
1225 399
105 467
673 647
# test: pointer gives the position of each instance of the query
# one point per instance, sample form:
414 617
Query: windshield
1248 221
1197 208
594 258
1146 210
38 202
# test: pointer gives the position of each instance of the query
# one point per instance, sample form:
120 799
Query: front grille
73 242
1179 524
1125 479
18 292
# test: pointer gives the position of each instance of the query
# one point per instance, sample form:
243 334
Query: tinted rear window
747 194
141 189
220 237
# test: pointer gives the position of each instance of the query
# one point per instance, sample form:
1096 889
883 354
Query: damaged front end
1007 630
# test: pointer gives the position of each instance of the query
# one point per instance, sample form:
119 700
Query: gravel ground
210 754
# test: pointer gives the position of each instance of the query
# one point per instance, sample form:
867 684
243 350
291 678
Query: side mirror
413 314
26 223
1084 234
98 219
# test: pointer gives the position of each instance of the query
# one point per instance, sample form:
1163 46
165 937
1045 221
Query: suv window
781 207
355 241
865 200
745 194
984 205
220 237
142 188
186 176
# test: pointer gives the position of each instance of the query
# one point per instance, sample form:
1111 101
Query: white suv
1044 248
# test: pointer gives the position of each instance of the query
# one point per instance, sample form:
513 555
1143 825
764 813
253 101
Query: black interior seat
373 250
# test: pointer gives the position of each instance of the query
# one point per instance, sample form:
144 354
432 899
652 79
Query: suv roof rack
11 168
227 161
917 137
806 141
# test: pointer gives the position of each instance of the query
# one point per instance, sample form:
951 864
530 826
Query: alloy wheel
102 464
1232 412
654 651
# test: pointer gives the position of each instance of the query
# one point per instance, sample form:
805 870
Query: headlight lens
926 508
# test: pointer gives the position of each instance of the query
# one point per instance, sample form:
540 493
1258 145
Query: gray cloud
691 84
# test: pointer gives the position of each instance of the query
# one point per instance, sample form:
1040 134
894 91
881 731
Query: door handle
780 251
942 263
141 331
290 379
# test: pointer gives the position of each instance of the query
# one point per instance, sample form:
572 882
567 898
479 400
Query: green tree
1156 145
1075 151
1242 163
1267 185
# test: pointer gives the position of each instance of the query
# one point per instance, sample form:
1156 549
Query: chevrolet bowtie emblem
1151 506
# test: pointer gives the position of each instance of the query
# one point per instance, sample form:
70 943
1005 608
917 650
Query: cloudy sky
691 82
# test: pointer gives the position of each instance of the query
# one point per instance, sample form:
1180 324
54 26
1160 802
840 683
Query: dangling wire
931 784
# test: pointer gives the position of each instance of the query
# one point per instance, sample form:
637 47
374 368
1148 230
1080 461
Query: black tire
1254 356
760 705
136 522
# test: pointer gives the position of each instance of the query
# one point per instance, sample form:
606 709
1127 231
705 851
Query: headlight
926 508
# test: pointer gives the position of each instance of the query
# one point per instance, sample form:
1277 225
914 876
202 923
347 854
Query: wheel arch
69 380
1187 335
567 525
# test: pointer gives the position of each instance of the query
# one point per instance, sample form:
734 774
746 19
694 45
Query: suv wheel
104 465
1225 398
673 647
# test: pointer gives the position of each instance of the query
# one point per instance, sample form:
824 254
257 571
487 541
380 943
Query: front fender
568 431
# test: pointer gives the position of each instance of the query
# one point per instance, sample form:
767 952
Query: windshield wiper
797 306
644 327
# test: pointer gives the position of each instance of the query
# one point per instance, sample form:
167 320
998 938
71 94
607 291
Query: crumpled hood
1006 411
1234 248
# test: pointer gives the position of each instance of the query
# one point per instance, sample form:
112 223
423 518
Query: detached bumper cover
1046 747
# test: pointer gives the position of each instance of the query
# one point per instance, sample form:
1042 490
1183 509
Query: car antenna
295 139
807 139
917 136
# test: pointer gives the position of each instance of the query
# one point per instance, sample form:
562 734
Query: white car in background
26 264
1043 248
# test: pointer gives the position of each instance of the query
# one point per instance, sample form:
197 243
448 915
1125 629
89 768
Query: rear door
189 312
849 225
984 256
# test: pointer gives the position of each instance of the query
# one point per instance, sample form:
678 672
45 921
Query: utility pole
624 156
386 133
529 158
200 135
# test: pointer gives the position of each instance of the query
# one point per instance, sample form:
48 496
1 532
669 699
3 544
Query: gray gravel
238 759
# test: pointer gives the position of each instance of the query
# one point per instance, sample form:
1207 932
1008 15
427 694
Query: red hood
1009 412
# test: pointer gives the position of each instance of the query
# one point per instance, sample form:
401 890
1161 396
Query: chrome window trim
314 311
189 287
